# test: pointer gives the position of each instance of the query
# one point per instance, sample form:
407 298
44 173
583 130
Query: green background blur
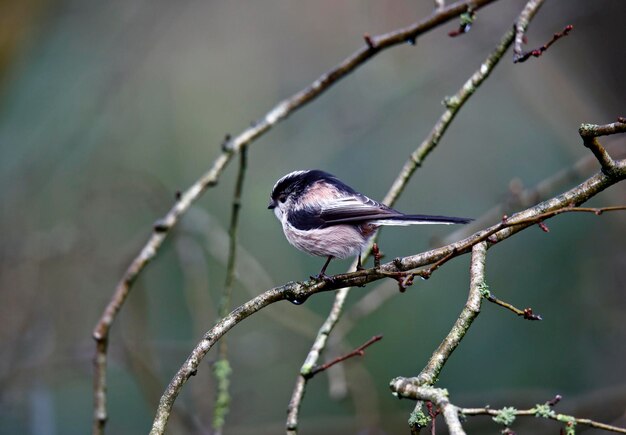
108 108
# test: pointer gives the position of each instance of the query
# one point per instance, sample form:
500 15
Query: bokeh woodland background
108 108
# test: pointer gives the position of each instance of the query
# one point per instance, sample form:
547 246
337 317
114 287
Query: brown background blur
108 108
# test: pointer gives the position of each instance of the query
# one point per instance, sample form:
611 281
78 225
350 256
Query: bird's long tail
421 219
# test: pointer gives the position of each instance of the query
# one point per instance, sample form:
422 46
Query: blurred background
108 108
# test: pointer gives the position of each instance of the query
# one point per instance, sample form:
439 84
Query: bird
323 216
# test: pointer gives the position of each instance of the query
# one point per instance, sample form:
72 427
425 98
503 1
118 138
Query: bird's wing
354 210
359 209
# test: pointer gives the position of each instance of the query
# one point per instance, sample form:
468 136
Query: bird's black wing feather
356 209
359 209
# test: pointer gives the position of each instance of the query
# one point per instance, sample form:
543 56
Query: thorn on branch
178 195
359 351
227 144
522 57
210 183
553 402
160 226
369 41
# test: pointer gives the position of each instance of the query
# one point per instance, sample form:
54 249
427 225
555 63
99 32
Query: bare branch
431 371
359 351
298 292
543 411
439 397
594 210
453 106
375 298
590 134
222 368
521 25
440 356
230 147
526 313
505 416
539 51
523 198
466 21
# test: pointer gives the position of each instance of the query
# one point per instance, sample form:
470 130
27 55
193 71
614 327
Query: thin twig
440 356
375 298
522 57
526 313
416 159
590 134
505 416
544 411
427 393
300 291
515 223
222 369
359 351
521 25
594 210
527 197
230 147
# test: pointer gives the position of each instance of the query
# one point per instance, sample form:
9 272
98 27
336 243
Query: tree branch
540 410
521 25
222 369
526 313
359 351
518 197
453 106
523 198
230 147
505 416
298 292
536 52
590 134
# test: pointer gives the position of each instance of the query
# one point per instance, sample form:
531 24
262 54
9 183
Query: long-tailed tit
323 216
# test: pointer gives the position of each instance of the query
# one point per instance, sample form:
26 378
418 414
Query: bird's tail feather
421 219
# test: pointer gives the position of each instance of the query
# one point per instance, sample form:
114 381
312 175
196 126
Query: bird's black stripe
307 218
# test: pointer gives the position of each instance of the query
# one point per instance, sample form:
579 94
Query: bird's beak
271 205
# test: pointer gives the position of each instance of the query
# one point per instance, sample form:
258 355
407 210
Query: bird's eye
282 197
